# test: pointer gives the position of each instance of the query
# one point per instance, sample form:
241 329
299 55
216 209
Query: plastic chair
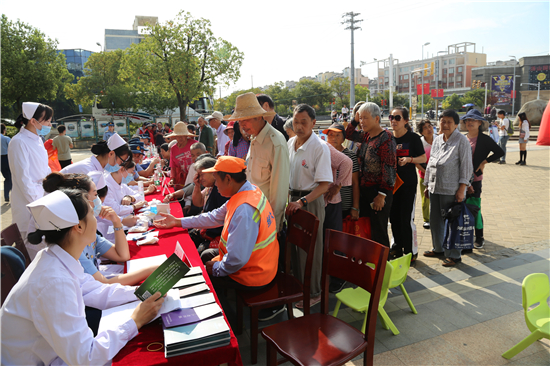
321 339
285 288
535 291
358 299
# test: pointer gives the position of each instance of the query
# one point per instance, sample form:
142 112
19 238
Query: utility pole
351 21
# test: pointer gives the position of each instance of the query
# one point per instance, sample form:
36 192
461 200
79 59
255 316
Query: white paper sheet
198 300
137 264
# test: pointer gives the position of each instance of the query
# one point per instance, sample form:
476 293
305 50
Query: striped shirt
347 191
342 167
240 150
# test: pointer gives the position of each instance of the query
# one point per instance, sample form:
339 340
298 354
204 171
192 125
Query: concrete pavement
472 313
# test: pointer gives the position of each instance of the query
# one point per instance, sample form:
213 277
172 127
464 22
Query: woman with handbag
524 127
484 150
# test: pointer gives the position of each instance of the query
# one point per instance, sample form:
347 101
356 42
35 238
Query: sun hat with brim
230 126
227 164
474 114
335 127
217 115
247 106
180 129
54 211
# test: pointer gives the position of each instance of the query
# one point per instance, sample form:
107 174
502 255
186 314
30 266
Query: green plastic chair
358 299
535 292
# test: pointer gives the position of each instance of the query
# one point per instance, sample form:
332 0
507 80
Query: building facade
76 59
116 39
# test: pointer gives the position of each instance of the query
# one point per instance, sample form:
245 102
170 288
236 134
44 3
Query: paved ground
470 314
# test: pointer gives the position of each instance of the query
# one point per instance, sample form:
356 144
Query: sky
285 40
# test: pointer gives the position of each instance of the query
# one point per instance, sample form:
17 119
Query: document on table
137 264
198 300
113 317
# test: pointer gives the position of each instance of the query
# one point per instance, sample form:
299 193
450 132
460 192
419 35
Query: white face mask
97 206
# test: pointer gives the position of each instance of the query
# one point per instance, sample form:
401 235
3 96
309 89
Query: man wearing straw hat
180 154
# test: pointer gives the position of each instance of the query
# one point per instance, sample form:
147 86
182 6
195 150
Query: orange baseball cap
227 164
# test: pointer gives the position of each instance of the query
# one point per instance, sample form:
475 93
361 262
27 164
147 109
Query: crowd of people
238 178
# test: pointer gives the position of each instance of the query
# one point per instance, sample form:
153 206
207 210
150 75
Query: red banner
434 93
418 89
513 94
426 88
440 93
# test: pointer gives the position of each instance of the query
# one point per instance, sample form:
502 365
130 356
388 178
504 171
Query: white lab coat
115 194
43 319
85 166
28 161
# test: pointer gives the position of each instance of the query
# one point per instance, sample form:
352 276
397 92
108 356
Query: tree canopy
181 58
452 102
32 68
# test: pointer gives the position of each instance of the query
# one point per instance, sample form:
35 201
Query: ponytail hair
81 206
42 113
405 113
55 181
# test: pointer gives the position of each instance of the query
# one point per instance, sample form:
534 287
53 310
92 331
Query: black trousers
6 172
378 219
65 163
402 218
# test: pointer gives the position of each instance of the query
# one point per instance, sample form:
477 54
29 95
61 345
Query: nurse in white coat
108 156
43 319
28 161
121 198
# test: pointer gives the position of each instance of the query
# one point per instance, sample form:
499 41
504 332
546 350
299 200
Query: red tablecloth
135 352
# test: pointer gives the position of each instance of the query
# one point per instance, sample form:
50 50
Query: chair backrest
535 291
384 291
401 267
13 265
363 264
302 232
11 236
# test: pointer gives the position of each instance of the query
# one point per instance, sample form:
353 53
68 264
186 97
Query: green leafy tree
361 93
428 103
282 97
32 69
313 93
340 89
476 96
182 57
452 102
102 79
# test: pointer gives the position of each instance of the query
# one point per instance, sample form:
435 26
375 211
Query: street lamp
538 88
514 86
100 47
425 44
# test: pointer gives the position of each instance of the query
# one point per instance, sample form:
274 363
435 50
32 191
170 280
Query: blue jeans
502 143
439 204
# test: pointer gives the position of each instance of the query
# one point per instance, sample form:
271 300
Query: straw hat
247 106
180 129
476 115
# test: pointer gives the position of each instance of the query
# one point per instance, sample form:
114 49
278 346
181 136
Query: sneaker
426 225
523 163
519 162
502 162
414 257
336 285
479 243
268 314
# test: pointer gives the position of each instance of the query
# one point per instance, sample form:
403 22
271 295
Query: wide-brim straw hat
180 129
473 114
247 106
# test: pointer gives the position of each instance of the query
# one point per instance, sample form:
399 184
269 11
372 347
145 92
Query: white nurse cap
54 211
98 179
115 142
29 108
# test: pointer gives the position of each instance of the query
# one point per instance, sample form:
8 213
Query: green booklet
163 278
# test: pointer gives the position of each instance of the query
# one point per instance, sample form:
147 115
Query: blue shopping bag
459 228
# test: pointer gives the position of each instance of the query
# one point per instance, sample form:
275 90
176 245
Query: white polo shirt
310 164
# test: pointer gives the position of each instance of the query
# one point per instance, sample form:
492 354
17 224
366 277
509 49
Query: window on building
386 79
459 69
452 62
451 79
386 72
406 77
444 62
459 78
444 71
451 70
444 80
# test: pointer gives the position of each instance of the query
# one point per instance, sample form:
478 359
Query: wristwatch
304 201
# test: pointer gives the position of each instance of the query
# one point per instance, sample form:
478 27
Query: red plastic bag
359 227
53 161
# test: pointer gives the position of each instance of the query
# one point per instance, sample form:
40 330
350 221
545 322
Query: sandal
433 253
312 301
451 262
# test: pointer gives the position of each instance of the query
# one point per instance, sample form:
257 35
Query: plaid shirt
240 150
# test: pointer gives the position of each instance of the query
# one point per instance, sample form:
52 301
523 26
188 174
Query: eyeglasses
397 118
124 161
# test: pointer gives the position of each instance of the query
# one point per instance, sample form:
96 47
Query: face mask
97 206
44 131
127 179
112 168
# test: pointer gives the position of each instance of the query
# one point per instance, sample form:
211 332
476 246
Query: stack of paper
199 336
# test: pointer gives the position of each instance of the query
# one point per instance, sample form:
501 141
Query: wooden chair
322 339
12 237
285 288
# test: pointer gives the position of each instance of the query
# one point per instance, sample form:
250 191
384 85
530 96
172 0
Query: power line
349 19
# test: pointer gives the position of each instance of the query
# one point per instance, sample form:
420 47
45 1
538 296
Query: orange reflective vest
262 264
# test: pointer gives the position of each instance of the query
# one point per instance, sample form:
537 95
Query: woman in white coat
44 312
120 197
28 161
108 156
